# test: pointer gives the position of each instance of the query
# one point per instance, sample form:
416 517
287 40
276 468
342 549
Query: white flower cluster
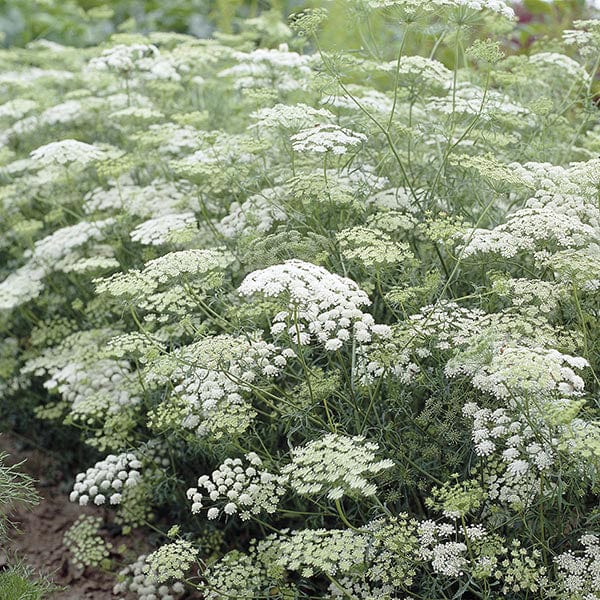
87 548
563 213
325 137
420 71
212 376
389 356
153 200
394 199
63 241
368 98
191 264
557 63
372 247
291 117
522 372
106 479
470 99
311 551
529 230
533 296
579 574
235 575
21 285
66 152
17 108
170 561
337 464
233 150
145 59
513 449
277 68
502 7
160 230
244 489
93 264
26 282
69 112
320 304
171 140
136 580
447 557
90 386
257 214
80 346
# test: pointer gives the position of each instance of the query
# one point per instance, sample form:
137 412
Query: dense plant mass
332 316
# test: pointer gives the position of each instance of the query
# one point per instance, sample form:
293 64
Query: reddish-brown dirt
40 541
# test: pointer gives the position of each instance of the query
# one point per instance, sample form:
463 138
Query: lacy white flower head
336 464
447 557
163 229
502 7
87 548
586 36
370 99
66 152
236 575
155 199
193 264
258 213
211 377
22 285
470 99
325 138
523 372
290 117
530 230
579 571
395 199
124 58
419 71
106 479
497 429
391 356
102 385
170 561
516 458
240 488
373 248
17 108
320 304
276 68
136 580
560 64
69 112
80 346
60 243
310 551
533 296
26 282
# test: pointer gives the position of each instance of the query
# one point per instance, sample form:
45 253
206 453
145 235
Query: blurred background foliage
89 22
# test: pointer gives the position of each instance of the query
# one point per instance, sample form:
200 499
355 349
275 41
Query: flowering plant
331 312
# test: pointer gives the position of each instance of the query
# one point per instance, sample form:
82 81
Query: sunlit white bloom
324 138
66 152
320 303
160 230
